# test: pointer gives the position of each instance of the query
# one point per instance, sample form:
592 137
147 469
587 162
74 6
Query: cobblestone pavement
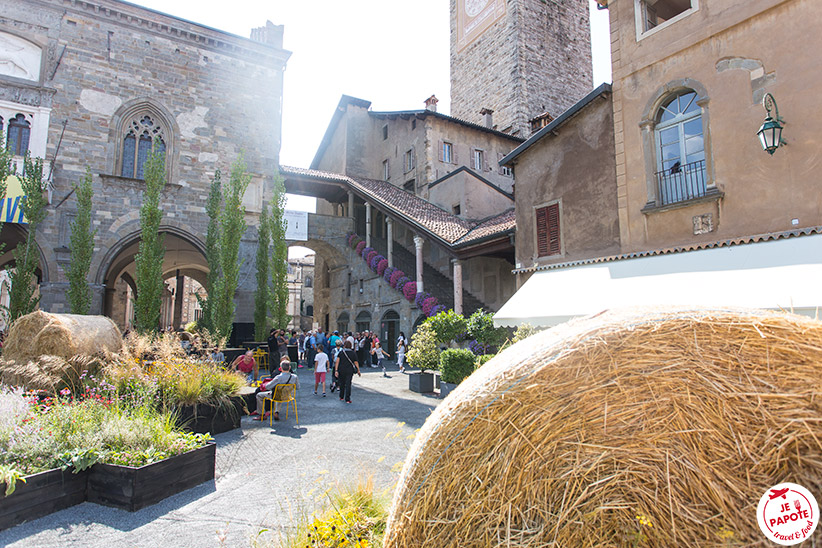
267 478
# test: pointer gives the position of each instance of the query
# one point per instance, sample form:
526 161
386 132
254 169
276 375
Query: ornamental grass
641 428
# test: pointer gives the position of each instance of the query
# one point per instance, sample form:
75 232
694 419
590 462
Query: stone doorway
389 331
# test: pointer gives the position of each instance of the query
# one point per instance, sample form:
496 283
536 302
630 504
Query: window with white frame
447 153
409 162
478 159
505 171
680 148
385 172
653 14
18 135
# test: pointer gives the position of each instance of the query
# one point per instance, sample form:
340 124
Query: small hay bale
643 428
65 335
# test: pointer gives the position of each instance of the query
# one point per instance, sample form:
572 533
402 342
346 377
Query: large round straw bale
644 428
65 335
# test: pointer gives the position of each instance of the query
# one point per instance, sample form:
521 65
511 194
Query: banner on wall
10 209
296 228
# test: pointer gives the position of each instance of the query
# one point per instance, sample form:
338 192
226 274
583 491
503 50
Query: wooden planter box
421 382
131 489
446 388
41 495
207 418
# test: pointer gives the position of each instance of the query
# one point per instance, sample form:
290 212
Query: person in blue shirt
332 341
310 348
322 341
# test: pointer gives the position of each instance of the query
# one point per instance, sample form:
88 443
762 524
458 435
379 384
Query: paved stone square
267 478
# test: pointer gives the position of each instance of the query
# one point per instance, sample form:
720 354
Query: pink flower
381 266
395 276
409 290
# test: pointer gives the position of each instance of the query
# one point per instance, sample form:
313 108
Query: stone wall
218 94
536 58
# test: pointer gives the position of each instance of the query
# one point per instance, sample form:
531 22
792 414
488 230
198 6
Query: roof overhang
777 275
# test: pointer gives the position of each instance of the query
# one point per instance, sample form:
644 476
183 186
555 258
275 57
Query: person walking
345 366
310 348
380 354
301 349
334 353
273 351
320 368
401 354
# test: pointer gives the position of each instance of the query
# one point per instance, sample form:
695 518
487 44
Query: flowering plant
386 274
374 261
402 281
360 247
366 251
436 310
350 237
420 298
428 305
381 266
410 291
395 277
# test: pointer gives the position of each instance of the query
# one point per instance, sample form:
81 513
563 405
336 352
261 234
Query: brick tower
519 59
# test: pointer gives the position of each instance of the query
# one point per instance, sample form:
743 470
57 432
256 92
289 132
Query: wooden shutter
440 150
548 237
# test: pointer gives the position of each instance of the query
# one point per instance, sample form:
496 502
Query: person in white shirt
320 369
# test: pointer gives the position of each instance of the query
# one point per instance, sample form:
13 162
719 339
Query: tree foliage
448 325
481 327
262 295
148 276
424 351
23 296
232 228
212 252
82 248
279 257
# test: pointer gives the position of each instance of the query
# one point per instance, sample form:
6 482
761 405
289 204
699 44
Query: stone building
301 292
704 215
94 84
526 61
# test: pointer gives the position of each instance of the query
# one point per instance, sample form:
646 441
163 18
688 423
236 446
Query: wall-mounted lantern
770 134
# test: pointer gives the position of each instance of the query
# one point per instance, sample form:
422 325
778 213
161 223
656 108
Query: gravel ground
267 478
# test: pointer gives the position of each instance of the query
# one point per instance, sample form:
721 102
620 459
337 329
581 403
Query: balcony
681 183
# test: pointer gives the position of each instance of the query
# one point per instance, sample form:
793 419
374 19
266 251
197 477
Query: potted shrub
455 364
423 353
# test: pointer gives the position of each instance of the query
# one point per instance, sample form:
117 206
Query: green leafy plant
10 476
456 364
212 246
481 328
448 325
23 295
232 228
261 296
279 258
424 351
482 360
82 248
149 260
524 331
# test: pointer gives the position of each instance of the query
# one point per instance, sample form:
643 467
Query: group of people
342 355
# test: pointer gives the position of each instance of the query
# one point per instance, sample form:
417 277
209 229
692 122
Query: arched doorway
389 330
11 236
184 274
363 321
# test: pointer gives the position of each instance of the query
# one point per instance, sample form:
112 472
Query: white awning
780 274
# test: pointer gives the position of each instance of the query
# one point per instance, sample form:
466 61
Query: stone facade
523 58
301 292
106 64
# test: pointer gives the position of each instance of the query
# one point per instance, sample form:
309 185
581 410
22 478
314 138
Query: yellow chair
283 393
261 357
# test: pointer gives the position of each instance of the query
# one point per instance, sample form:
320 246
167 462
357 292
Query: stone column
367 224
389 222
457 285
178 302
418 241
350 204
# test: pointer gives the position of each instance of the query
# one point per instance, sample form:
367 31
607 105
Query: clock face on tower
474 17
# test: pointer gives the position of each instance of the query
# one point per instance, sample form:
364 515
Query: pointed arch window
141 132
18 135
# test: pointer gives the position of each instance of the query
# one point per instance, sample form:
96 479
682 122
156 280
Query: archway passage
184 272
389 331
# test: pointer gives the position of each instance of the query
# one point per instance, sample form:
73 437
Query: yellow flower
382 458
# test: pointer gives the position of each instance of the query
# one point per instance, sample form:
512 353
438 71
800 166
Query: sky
394 54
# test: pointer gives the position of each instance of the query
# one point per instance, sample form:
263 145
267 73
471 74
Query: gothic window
18 135
141 133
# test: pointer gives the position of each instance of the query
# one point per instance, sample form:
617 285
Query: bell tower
521 59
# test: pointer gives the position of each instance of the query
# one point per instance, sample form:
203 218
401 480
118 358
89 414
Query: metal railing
680 183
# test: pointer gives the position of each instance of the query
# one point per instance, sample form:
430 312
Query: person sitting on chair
286 377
